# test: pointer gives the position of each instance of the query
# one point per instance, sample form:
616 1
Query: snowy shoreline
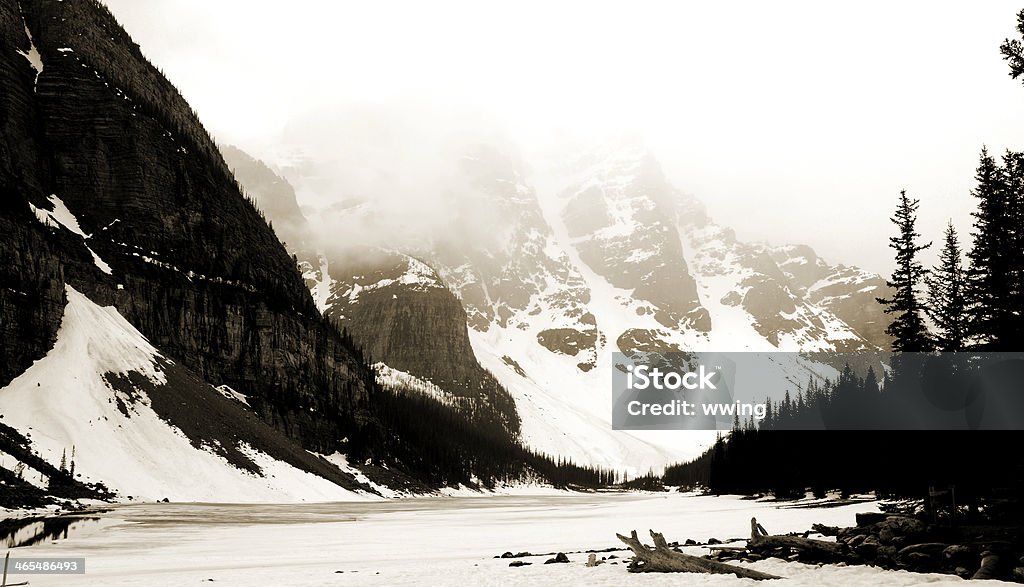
432 540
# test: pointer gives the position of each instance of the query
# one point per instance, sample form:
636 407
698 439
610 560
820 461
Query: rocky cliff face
847 292
406 318
604 256
394 307
760 294
92 133
618 212
518 272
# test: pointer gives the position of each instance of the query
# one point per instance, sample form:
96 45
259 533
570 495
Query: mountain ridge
544 320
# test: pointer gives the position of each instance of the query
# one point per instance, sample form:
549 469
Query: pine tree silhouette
947 302
991 323
908 327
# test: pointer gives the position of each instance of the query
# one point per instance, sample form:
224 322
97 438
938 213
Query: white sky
793 121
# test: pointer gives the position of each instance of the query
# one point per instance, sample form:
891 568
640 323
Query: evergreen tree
947 305
908 327
1013 50
1013 165
871 382
990 291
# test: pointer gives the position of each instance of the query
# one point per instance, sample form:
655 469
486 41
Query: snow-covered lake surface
430 541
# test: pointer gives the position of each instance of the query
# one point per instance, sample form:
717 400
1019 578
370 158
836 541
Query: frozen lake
436 541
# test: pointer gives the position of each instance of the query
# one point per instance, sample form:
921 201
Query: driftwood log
809 549
662 559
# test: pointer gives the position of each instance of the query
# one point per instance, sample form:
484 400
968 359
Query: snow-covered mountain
143 296
604 256
119 413
154 326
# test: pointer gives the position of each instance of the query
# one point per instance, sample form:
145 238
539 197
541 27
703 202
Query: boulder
959 555
885 536
919 562
558 558
990 567
867 548
902 525
932 549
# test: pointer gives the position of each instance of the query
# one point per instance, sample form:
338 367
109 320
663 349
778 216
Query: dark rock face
392 305
566 341
399 310
640 340
770 302
32 294
194 265
31 272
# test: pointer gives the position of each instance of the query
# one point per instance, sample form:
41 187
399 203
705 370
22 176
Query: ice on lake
431 541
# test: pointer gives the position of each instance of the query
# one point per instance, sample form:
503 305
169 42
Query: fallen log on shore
662 559
808 549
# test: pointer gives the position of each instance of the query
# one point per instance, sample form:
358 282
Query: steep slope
111 188
617 214
191 263
119 413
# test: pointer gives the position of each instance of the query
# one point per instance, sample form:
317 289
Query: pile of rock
906 542
894 541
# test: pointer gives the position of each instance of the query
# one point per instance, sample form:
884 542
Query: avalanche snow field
431 541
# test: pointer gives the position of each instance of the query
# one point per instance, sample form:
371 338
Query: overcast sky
793 121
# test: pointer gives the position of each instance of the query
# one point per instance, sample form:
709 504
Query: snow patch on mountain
340 461
229 393
568 413
64 403
28 472
397 380
61 216
320 282
418 276
32 55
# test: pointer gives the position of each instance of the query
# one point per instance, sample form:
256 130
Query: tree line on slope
442 446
